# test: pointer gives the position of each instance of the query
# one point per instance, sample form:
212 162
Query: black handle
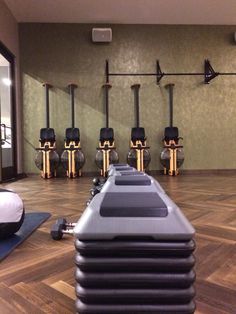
72 88
170 87
47 87
106 87
136 88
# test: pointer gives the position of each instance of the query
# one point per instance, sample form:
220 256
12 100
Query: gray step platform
83 308
132 183
130 296
93 226
135 248
127 264
119 174
119 170
136 280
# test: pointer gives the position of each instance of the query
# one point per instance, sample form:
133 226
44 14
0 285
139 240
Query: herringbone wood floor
38 277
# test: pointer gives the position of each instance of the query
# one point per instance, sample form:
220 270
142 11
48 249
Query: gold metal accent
71 172
106 147
172 147
46 172
139 147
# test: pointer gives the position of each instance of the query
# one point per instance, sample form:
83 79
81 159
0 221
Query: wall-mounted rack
208 74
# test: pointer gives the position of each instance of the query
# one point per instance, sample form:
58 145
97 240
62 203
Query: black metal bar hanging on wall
106 87
136 88
47 87
170 88
208 74
107 71
72 88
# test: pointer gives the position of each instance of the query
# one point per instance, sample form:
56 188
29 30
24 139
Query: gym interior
117 156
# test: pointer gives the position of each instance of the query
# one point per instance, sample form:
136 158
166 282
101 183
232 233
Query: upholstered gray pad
114 170
132 180
124 168
133 205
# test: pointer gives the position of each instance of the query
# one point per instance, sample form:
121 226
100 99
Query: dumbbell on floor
60 228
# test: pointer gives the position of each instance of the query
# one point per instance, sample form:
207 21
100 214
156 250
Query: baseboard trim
21 175
191 172
198 172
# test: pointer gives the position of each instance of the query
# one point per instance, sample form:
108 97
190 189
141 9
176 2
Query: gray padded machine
134 250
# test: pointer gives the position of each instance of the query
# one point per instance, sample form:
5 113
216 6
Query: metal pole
106 87
47 87
107 71
136 88
72 88
170 87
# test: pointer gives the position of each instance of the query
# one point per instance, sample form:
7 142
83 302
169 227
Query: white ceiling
221 12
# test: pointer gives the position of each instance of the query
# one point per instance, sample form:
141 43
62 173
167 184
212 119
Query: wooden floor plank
38 277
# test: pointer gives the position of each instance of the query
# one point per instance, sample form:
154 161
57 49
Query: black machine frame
171 143
106 146
74 145
139 145
47 146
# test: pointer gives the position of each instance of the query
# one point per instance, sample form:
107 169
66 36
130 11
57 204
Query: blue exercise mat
31 222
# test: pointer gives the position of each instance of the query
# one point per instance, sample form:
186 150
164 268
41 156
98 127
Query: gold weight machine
139 155
172 156
72 158
106 152
47 159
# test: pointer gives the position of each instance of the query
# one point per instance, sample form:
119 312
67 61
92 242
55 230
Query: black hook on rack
160 74
209 72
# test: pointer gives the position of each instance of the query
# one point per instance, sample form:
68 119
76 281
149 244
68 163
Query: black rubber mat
135 248
111 264
134 309
134 280
132 296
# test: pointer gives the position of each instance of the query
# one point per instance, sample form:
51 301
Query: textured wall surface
205 114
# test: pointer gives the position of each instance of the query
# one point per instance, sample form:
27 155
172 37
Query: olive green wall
205 114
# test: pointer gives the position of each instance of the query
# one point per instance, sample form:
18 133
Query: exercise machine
47 159
139 155
72 158
172 156
106 152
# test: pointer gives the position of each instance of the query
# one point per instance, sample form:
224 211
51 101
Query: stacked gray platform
134 251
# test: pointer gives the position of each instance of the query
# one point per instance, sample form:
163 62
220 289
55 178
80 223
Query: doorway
7 115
